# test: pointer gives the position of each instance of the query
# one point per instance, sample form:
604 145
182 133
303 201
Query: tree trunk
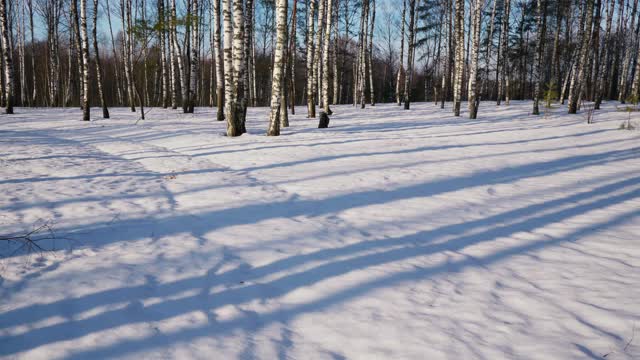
541 24
473 69
278 69
409 77
6 56
503 64
85 61
239 69
605 56
103 103
311 106
220 74
401 64
578 86
459 68
370 53
629 49
233 128
325 59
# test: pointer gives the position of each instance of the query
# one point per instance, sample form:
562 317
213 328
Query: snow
391 235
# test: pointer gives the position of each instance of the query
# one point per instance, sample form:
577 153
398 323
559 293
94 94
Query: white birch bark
473 68
311 106
325 59
6 57
220 74
401 64
504 50
85 60
411 44
459 56
278 68
103 103
541 15
578 84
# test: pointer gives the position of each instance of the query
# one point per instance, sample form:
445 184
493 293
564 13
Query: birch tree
103 103
278 68
85 61
401 63
325 59
537 76
370 52
605 56
239 68
459 56
578 86
473 69
220 74
6 57
411 46
311 106
503 62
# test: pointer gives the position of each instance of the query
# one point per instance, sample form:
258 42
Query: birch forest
320 179
234 54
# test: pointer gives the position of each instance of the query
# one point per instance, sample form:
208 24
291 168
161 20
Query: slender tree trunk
6 56
603 74
85 61
325 58
194 60
220 74
541 24
578 86
473 69
239 69
489 48
503 64
370 53
233 128
118 82
311 106
411 44
459 68
317 64
103 103
278 69
626 60
292 58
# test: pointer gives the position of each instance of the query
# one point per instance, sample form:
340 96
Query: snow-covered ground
391 235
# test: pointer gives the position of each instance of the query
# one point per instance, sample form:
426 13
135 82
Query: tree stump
324 120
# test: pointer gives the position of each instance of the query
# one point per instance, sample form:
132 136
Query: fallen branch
30 241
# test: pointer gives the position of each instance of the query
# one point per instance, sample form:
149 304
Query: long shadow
406 151
254 213
526 219
286 315
129 196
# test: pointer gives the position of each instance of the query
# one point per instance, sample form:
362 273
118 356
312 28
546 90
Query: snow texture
391 235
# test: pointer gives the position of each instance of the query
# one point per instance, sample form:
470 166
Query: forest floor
391 235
